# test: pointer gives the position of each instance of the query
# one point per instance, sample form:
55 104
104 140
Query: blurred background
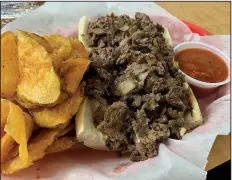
12 10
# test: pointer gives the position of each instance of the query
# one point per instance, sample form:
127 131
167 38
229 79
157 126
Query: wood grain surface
214 17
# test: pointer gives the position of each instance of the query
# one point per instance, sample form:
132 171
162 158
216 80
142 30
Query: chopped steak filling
140 91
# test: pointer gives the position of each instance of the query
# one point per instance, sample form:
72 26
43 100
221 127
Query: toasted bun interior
86 130
82 29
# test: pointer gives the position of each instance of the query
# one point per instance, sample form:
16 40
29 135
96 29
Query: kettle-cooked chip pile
40 94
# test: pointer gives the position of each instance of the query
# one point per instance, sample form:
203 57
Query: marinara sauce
202 65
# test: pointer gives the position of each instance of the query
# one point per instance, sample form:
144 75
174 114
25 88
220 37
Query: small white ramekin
195 82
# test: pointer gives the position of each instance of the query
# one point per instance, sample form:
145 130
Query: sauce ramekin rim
225 59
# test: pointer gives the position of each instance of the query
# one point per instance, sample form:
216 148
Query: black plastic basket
222 171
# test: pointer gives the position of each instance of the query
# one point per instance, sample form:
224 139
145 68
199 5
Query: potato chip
19 126
42 42
78 49
36 150
63 96
71 73
59 42
29 124
60 114
7 143
66 129
2 132
61 49
15 102
12 154
25 104
5 109
15 150
57 60
9 65
62 144
39 84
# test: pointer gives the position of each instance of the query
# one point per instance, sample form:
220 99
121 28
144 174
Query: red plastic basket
196 29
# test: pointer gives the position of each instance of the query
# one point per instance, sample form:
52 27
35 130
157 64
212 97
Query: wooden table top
214 17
